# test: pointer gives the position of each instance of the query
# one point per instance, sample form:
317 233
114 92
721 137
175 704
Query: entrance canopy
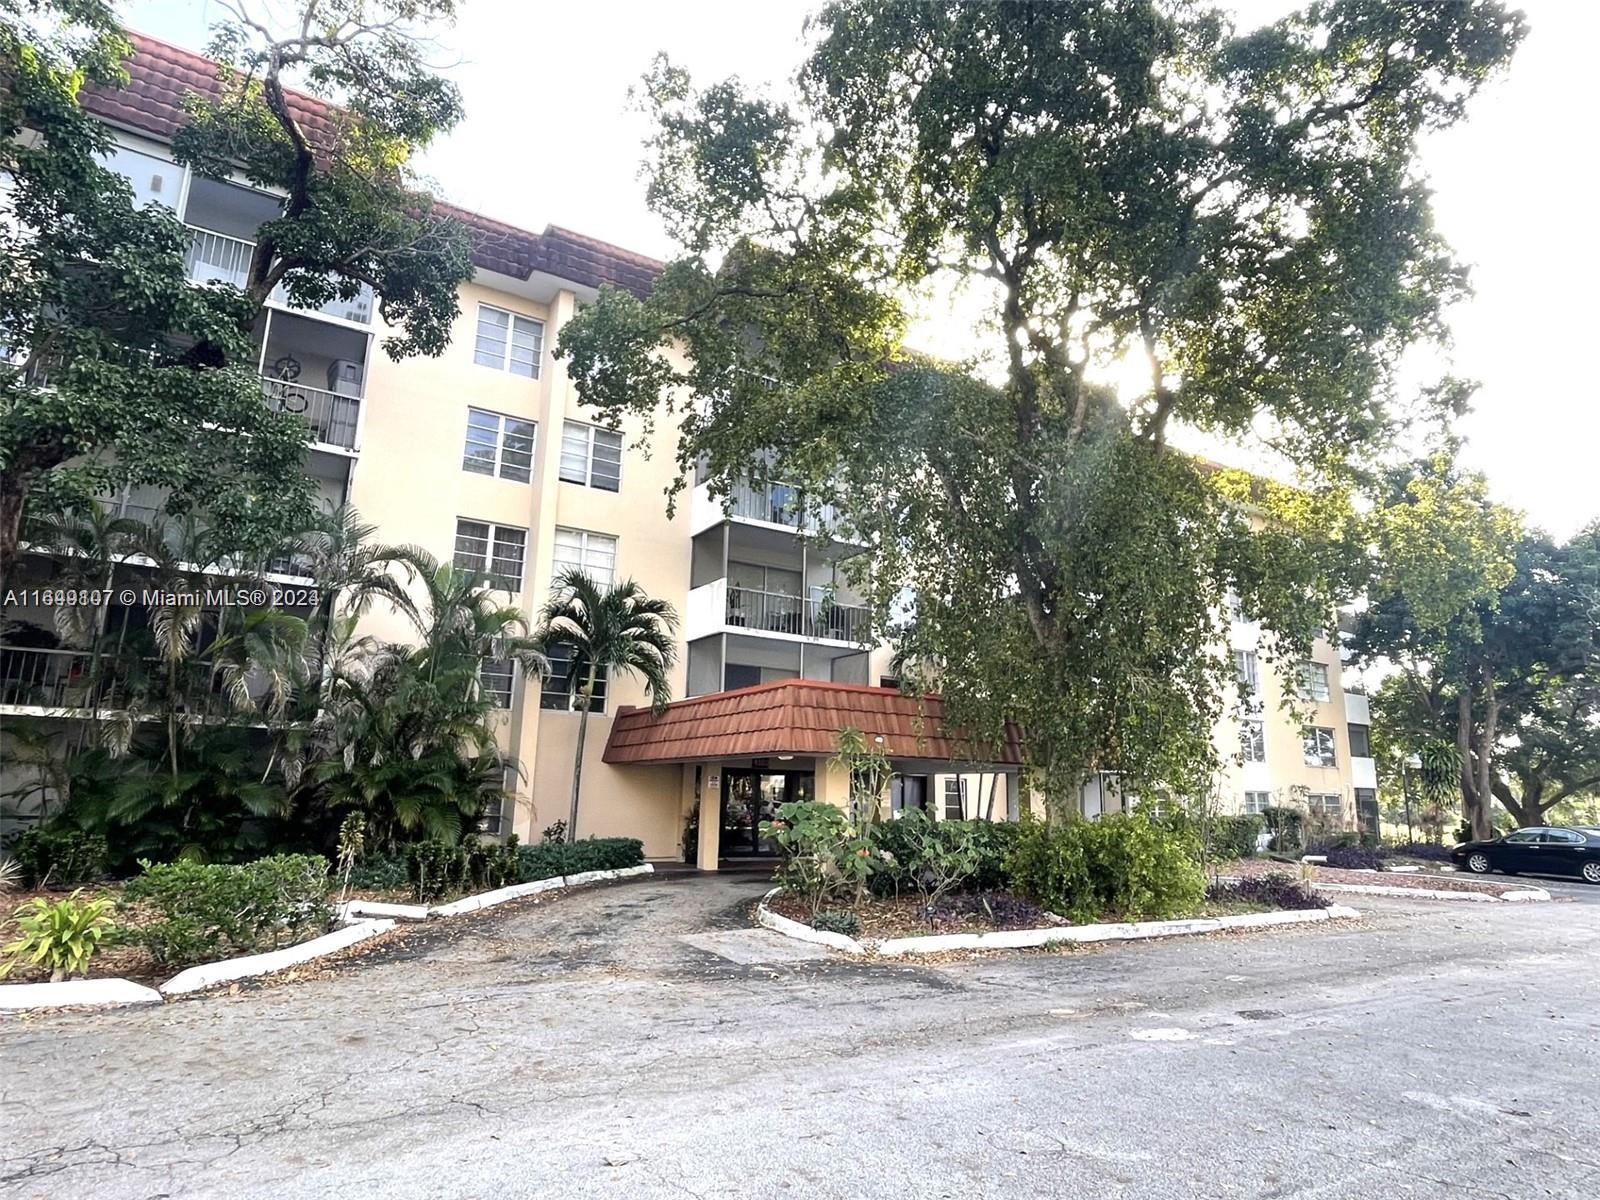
795 716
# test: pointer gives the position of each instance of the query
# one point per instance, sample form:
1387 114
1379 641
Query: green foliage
866 765
837 920
10 874
823 858
1236 836
61 857
612 632
1237 209
381 873
940 856
549 859
1122 866
205 911
62 935
1287 826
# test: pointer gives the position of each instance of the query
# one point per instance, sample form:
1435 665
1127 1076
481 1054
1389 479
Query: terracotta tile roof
796 716
160 75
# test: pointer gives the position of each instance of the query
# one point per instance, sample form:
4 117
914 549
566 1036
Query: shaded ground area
639 1039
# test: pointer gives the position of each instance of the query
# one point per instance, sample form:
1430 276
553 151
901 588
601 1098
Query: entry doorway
750 797
907 792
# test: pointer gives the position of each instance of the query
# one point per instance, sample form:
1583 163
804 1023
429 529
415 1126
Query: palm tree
618 631
351 569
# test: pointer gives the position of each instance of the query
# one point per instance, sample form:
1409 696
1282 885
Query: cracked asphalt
639 1040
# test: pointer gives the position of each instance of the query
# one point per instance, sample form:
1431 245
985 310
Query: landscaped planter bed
904 916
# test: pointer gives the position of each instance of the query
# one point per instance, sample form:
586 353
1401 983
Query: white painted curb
1372 889
517 891
804 933
353 910
210 974
76 993
1019 939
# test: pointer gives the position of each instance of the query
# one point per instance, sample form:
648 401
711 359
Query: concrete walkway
636 1039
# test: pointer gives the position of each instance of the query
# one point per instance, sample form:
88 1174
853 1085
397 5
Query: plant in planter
837 920
939 856
62 936
822 858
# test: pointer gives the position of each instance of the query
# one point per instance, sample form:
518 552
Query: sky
549 138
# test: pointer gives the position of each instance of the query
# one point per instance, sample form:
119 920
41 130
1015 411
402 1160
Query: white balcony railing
332 417
217 257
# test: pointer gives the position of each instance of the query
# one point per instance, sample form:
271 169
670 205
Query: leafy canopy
1240 212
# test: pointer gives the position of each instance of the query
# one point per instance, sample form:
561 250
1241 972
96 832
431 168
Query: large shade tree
123 372
1241 212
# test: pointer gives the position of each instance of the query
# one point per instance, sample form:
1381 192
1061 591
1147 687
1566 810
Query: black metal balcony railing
332 417
775 612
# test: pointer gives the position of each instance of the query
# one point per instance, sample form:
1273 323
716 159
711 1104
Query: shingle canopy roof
795 716
160 75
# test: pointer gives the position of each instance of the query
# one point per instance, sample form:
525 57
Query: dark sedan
1537 850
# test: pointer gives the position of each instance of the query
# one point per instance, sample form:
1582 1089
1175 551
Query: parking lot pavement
614 1042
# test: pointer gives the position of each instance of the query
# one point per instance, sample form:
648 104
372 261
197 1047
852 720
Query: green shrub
62 936
381 873
550 859
896 861
61 857
1121 865
822 858
1236 836
437 868
1287 826
939 856
212 910
837 920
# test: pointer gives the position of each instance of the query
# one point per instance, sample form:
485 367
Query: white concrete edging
1376 889
210 974
1018 939
354 910
76 993
517 891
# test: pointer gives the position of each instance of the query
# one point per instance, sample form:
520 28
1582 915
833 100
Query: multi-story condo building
486 457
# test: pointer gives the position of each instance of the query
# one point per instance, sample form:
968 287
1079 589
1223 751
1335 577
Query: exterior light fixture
785 758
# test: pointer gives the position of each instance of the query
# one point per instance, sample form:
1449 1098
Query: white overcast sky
548 138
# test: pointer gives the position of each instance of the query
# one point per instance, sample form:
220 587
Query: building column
710 842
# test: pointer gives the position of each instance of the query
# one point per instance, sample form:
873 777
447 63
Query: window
1248 669
1360 741
498 445
1253 740
494 550
1327 804
493 819
889 681
1319 748
593 553
497 675
955 798
1561 837
1525 836
591 456
1314 681
558 690
1255 802
508 342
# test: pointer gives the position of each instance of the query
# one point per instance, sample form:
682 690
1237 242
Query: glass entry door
751 797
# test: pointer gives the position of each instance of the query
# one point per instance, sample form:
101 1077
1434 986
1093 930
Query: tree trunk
1481 825
577 758
13 499
1469 794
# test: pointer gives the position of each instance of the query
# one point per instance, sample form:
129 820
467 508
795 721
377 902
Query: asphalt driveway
638 1039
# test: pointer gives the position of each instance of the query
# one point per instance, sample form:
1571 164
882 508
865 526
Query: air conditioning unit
344 377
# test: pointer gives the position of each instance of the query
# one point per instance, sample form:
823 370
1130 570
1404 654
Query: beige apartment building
486 457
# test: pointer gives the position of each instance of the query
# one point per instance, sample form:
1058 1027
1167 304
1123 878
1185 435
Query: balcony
58 681
777 505
218 258
718 607
331 416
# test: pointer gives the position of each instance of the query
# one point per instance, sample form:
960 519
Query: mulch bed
1423 880
116 959
905 916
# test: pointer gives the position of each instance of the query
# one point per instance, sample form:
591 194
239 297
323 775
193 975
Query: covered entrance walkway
746 752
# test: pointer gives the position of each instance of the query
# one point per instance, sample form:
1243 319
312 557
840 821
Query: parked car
1537 850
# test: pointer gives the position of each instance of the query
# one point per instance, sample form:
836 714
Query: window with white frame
493 819
955 798
1247 668
1253 740
1319 747
595 554
497 676
591 456
1325 804
1313 683
498 445
508 341
1360 740
561 691
1257 802
494 550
